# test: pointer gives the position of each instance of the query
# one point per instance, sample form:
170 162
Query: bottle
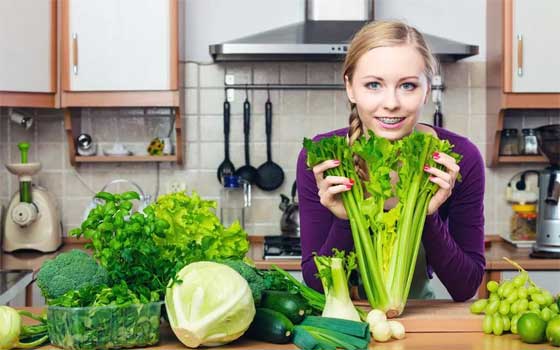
235 196
528 142
524 222
509 143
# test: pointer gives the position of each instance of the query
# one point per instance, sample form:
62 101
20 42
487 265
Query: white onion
397 329
381 331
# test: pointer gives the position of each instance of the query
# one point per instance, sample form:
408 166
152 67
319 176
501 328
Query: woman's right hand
330 188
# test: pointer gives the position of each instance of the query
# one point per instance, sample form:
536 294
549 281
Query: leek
386 243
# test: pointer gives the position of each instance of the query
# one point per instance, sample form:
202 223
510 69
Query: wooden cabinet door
117 45
28 46
535 46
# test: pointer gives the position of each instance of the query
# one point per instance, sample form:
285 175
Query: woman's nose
391 100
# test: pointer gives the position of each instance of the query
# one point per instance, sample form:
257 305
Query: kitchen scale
32 219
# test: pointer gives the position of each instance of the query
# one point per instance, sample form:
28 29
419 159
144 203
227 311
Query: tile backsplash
296 114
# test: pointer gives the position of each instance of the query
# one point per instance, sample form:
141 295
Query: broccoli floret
70 271
251 275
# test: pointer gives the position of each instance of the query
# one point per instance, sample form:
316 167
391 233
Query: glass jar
528 142
524 222
509 142
235 196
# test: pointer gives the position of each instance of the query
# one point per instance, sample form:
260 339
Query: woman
387 73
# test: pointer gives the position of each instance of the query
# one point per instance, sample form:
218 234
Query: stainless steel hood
319 40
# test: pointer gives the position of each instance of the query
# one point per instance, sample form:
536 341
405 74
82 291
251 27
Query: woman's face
389 88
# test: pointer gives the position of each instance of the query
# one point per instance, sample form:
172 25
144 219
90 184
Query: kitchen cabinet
28 53
522 72
535 47
119 53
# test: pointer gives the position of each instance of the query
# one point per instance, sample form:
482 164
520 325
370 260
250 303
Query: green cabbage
211 307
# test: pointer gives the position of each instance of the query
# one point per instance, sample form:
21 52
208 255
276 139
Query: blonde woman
387 73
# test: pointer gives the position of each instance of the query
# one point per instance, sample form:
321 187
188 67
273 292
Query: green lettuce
193 222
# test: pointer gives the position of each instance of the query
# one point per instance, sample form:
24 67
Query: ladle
247 172
226 167
270 175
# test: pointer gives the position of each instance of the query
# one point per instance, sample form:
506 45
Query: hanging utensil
227 167
247 172
270 175
437 91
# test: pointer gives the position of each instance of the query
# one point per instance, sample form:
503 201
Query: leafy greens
386 243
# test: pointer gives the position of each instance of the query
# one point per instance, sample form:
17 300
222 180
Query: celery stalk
386 243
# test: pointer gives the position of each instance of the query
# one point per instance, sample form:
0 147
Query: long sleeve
320 230
453 237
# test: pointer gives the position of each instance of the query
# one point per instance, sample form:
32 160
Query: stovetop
281 247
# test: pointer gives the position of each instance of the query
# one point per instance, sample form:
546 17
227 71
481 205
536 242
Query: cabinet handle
519 55
75 53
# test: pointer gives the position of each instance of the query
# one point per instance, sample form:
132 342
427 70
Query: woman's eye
373 85
408 86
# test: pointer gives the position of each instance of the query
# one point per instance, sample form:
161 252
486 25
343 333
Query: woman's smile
390 122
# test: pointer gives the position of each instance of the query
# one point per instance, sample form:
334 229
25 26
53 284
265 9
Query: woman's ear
349 91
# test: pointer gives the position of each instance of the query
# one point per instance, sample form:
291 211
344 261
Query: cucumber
290 305
270 326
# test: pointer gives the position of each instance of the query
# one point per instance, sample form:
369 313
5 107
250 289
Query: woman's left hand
444 179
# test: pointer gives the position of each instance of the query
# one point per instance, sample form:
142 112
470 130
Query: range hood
324 36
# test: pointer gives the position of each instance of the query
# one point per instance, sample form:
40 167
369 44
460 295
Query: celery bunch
386 243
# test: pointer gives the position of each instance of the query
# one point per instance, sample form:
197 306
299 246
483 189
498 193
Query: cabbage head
211 307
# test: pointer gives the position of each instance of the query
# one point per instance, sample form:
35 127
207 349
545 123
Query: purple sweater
453 237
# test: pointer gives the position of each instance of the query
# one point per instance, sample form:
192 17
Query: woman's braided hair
373 35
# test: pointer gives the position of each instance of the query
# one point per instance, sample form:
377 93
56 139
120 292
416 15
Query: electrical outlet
176 185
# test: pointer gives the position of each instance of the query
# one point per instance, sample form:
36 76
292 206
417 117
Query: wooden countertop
495 250
452 337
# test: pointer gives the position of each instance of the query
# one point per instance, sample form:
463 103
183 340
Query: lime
553 331
531 328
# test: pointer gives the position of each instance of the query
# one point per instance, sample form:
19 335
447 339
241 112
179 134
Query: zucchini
290 305
270 326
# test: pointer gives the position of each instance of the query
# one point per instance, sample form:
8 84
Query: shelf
124 159
72 118
521 159
530 101
27 99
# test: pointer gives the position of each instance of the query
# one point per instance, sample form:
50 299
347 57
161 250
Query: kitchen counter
496 249
450 323
13 282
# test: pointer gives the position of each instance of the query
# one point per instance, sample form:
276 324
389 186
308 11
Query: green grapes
508 300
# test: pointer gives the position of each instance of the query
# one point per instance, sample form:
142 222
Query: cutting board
421 316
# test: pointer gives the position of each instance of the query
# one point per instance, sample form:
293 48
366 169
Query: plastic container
235 196
524 222
104 327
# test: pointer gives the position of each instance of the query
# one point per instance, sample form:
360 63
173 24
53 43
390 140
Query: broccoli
251 275
70 271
